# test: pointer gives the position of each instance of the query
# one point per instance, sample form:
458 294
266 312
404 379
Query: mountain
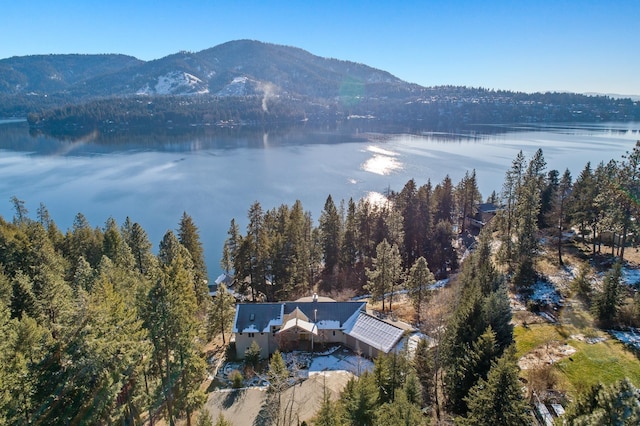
50 74
241 67
251 82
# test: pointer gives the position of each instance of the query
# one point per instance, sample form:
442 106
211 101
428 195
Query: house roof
295 322
257 317
326 311
374 332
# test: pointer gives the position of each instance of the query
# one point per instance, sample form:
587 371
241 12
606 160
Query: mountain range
246 75
241 67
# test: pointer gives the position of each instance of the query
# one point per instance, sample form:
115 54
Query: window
334 332
252 334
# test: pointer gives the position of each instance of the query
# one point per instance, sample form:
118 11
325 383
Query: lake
216 175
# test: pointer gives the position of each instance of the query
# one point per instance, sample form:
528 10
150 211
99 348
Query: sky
581 46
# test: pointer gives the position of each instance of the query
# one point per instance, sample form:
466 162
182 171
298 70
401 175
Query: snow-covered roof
301 324
374 332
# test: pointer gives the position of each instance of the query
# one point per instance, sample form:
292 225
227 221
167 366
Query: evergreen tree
189 237
527 207
407 204
559 211
467 197
581 284
221 313
617 404
329 413
172 330
278 377
582 209
330 234
507 216
548 195
606 304
136 238
628 192
443 255
498 400
443 201
400 412
349 250
359 400
425 371
386 273
418 282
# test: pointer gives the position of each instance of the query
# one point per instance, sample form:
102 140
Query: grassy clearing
606 361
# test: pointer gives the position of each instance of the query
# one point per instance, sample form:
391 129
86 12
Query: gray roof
257 316
374 332
326 311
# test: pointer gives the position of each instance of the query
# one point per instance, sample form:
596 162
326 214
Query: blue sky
544 45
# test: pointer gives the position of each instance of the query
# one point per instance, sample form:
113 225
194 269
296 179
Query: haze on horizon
549 45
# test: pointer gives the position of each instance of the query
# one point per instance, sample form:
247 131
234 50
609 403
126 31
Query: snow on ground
342 360
304 364
631 275
563 277
546 292
630 337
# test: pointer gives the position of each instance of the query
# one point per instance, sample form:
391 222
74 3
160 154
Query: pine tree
425 370
418 282
559 212
278 377
137 239
498 400
581 284
221 313
628 191
400 412
172 329
330 233
467 197
386 273
617 404
582 207
359 400
606 304
189 237
329 412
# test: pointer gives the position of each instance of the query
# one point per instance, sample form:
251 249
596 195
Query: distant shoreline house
313 323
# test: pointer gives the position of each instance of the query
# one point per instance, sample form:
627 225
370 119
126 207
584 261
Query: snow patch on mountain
176 82
237 87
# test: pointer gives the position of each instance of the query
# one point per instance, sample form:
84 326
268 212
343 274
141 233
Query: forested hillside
247 82
97 329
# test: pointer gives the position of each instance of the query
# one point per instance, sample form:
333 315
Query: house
485 213
312 324
227 280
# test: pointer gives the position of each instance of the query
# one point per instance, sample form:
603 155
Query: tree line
95 328
437 108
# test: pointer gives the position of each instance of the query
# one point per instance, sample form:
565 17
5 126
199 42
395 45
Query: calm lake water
215 176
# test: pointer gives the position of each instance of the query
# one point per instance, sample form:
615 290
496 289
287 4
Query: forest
98 328
437 108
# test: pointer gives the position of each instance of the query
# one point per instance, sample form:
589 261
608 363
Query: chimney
315 297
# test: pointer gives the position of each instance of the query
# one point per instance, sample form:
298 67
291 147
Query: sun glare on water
382 162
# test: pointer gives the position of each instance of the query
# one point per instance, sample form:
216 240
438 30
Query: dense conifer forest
98 328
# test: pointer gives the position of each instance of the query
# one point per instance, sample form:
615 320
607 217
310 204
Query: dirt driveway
246 407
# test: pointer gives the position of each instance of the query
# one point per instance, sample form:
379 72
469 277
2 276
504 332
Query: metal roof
374 332
325 311
257 317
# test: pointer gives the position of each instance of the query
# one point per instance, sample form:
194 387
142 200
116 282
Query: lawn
594 361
